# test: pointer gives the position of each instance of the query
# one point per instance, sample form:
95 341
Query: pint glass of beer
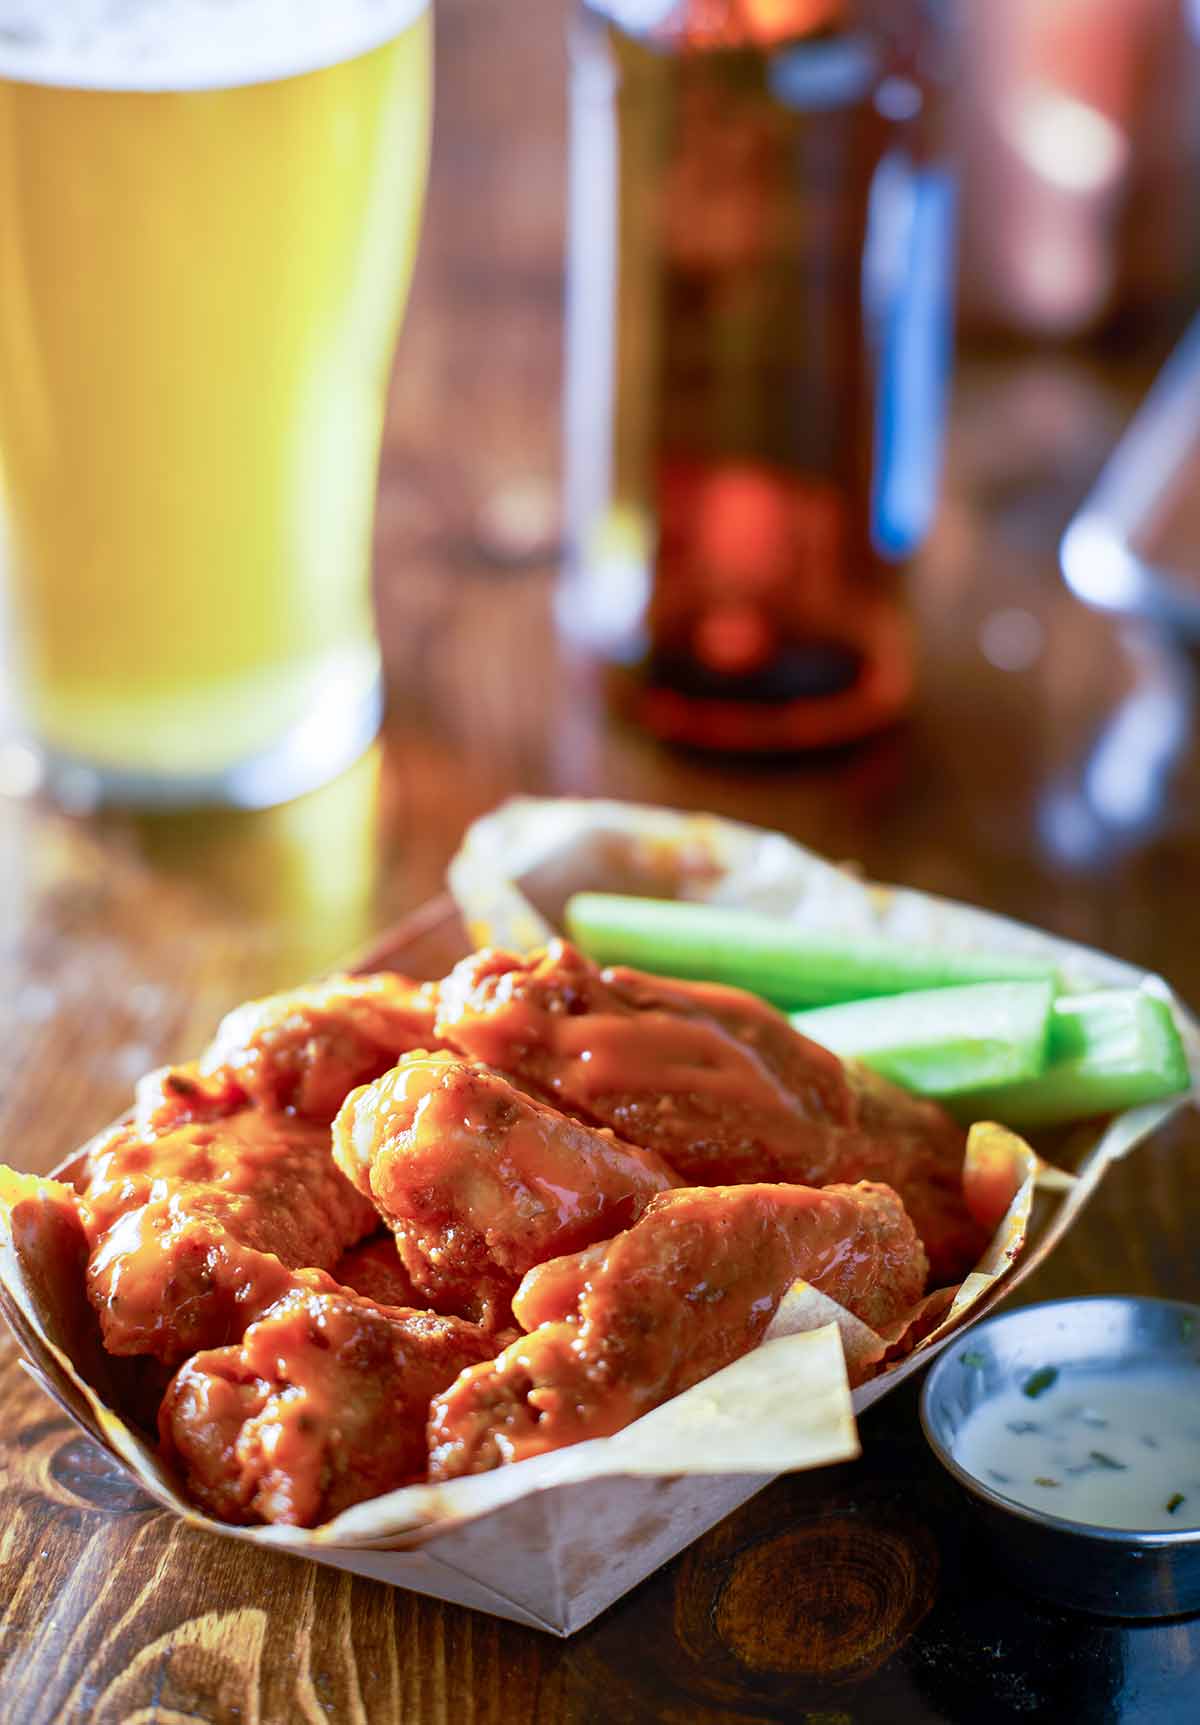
207 223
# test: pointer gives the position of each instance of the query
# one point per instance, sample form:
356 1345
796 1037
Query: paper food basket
552 1541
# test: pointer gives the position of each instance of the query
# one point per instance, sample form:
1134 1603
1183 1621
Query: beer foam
188 44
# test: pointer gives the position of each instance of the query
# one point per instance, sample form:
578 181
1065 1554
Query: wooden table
1029 780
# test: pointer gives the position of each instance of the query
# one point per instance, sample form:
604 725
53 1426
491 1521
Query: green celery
1109 1050
942 1041
793 967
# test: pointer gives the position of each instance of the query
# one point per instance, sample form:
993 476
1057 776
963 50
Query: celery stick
790 966
1109 1050
944 1040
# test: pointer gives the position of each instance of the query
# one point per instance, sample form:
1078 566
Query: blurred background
1046 764
990 789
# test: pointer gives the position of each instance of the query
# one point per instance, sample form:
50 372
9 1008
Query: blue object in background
908 291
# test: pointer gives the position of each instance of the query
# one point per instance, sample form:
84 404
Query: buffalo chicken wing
323 1403
480 1182
711 1078
194 1233
693 1285
303 1051
633 1169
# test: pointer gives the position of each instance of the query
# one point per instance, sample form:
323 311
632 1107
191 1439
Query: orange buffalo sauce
480 1181
193 1234
689 1288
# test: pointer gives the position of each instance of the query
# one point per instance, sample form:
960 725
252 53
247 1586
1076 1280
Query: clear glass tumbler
208 218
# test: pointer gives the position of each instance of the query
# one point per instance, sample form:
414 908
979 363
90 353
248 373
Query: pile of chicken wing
384 1232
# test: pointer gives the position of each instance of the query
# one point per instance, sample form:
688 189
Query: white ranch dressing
1114 1449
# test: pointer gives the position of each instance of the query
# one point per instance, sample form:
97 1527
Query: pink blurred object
1080 136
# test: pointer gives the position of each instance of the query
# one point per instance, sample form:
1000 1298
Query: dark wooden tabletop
1033 778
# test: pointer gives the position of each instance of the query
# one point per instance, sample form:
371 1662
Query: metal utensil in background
1139 510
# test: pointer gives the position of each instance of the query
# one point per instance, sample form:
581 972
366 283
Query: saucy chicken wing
693 1285
303 1051
321 1405
914 1146
711 1078
480 1182
194 1233
375 1269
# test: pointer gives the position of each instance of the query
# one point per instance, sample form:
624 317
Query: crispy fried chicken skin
480 1182
321 1405
914 1146
375 1269
194 1233
620 1328
303 1051
711 1078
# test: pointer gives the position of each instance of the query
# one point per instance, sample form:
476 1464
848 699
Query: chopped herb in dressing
1145 1476
1040 1381
972 1358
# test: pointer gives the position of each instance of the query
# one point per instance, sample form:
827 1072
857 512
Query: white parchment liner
552 1541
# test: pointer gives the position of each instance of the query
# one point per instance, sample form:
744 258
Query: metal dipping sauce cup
1108 1571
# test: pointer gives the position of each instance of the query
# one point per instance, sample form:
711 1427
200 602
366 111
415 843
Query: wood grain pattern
856 1595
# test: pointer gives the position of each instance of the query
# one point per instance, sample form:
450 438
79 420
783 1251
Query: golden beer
200 289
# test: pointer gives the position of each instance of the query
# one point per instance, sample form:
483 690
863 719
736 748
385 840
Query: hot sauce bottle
758 319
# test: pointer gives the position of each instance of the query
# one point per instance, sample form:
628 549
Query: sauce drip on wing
480 1181
618 1329
711 1078
706 1076
192 1234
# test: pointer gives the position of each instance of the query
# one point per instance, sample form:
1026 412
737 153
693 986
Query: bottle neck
704 24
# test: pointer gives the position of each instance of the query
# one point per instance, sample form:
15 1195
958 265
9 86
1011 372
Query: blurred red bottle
758 337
